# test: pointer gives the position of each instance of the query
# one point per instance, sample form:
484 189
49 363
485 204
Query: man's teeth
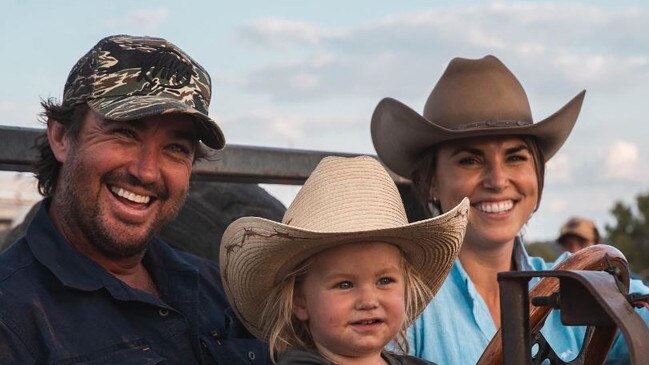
142 199
498 207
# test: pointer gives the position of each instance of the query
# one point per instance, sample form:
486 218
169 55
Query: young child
344 273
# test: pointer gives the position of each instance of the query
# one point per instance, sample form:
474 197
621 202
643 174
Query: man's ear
59 140
299 306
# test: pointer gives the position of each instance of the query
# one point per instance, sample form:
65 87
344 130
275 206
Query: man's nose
146 165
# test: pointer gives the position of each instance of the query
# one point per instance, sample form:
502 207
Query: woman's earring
433 207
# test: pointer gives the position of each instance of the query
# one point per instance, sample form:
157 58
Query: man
578 233
89 282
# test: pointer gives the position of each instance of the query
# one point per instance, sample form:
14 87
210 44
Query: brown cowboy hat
344 201
472 98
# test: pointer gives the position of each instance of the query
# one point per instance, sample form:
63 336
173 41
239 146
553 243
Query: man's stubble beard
85 214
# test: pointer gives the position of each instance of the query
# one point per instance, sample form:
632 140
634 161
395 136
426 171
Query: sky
308 74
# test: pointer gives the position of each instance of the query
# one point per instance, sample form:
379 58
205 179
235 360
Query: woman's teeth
496 207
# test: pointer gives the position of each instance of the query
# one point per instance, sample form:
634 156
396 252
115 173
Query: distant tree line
629 233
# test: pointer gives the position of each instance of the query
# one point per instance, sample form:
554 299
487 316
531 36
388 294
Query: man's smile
129 195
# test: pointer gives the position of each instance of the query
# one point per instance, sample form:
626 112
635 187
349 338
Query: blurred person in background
578 233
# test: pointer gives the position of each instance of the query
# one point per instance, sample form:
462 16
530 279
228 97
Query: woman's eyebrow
473 151
479 152
517 149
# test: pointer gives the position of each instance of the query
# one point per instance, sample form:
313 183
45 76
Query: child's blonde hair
284 331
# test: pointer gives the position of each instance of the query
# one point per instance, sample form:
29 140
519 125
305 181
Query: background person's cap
581 227
125 77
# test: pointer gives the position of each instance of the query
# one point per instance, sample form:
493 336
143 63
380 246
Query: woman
476 138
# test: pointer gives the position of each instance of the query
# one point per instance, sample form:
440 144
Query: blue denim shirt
456 326
59 307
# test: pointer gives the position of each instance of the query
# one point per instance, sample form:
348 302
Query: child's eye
344 285
386 281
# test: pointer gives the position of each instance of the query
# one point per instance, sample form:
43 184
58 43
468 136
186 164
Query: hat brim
141 106
401 136
256 254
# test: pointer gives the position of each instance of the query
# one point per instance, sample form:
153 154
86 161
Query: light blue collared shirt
456 326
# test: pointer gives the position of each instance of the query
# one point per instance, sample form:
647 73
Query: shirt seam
11 326
15 271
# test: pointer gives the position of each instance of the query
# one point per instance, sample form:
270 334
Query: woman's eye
467 161
344 285
517 158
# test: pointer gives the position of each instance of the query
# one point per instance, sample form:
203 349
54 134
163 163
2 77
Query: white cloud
20 113
281 33
303 81
601 69
559 169
556 205
266 128
299 129
623 163
6 106
147 19
286 128
555 45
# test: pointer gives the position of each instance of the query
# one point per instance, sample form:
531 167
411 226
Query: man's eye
125 132
179 149
344 285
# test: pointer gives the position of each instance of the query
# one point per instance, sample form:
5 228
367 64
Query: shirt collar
520 256
77 271
480 312
54 252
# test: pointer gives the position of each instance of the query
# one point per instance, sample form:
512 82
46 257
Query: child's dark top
297 357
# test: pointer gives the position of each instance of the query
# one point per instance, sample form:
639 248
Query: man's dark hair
47 167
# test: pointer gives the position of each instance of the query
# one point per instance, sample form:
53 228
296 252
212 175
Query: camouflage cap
125 77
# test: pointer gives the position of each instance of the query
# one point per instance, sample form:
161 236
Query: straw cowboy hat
472 98
345 200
